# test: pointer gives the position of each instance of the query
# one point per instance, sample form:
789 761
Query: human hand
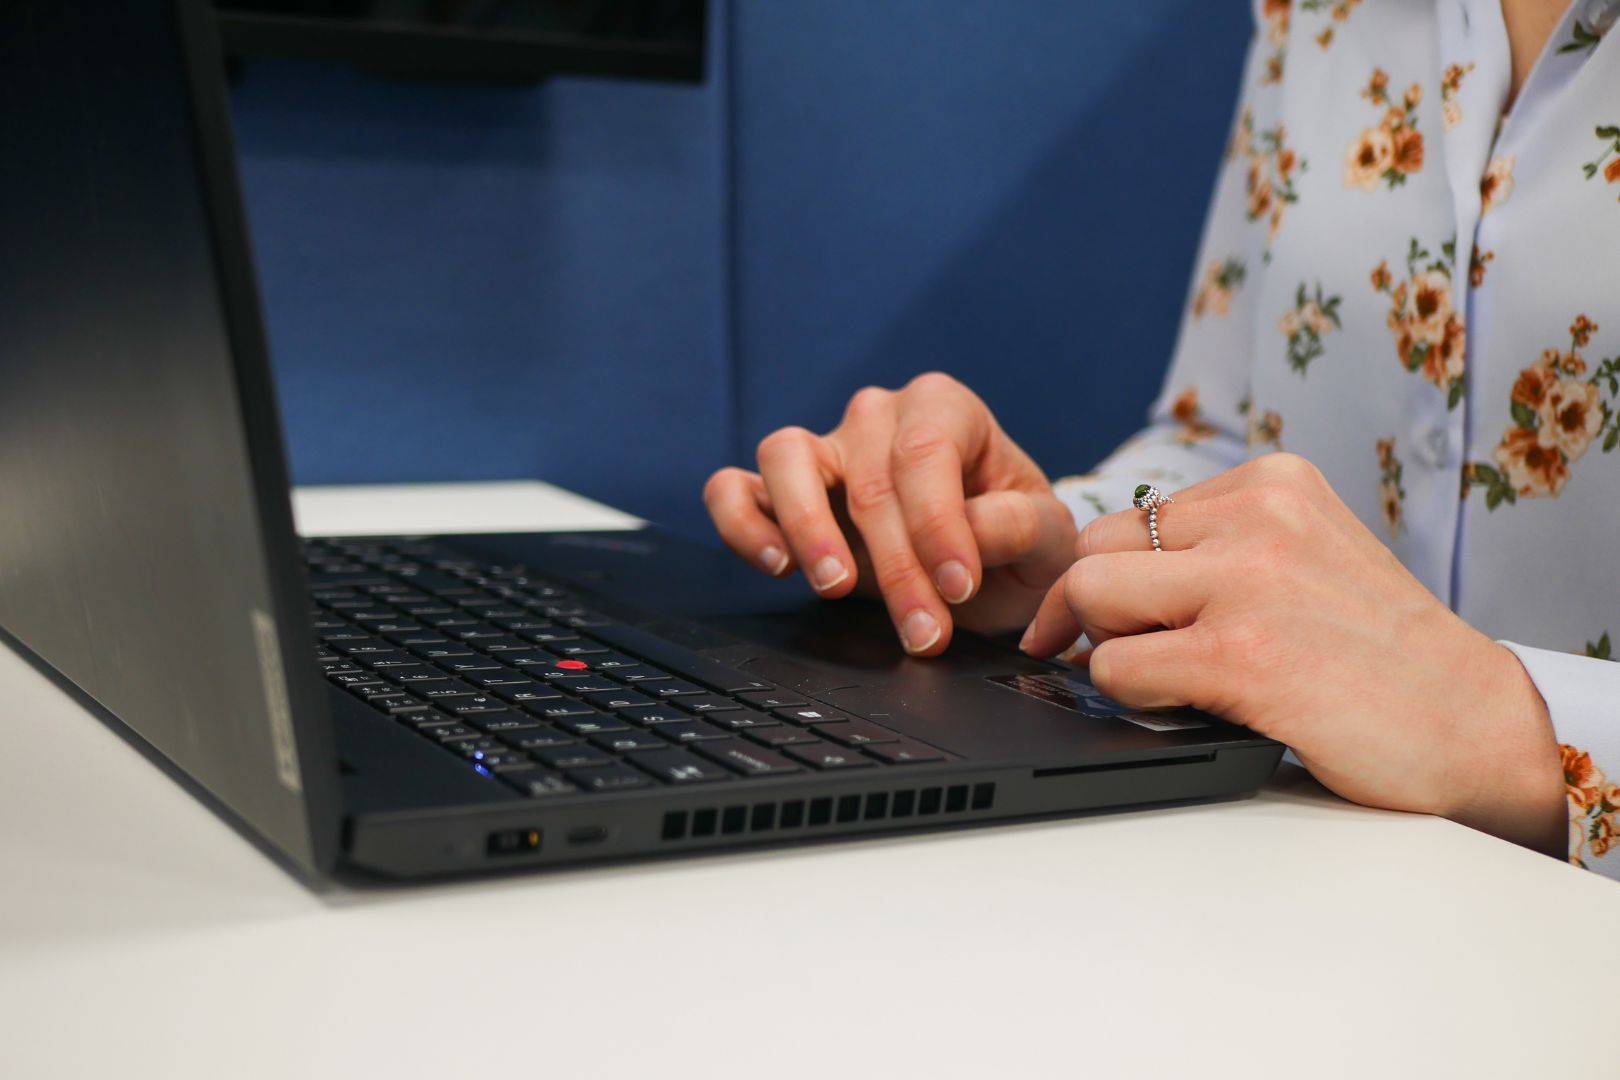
917 496
1274 607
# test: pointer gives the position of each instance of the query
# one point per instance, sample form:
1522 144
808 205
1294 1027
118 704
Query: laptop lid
147 551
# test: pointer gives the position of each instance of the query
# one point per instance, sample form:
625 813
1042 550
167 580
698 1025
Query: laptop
421 706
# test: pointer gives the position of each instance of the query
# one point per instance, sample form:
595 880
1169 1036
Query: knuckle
919 442
1020 524
1240 643
869 492
781 441
1095 537
933 529
868 401
934 382
718 482
895 570
1080 583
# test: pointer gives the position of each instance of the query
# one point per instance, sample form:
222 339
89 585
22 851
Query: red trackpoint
573 665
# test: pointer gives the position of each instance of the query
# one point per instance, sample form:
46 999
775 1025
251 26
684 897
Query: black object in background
496 41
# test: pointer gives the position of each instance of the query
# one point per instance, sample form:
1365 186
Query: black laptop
418 705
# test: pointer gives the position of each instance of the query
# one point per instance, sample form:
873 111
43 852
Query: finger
1009 528
797 468
1160 670
919 615
737 502
1122 593
1182 525
928 451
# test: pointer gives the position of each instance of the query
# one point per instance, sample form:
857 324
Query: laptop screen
146 546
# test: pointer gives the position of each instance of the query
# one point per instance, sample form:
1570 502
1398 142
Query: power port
587 834
513 842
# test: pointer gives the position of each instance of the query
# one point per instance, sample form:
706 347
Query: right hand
917 496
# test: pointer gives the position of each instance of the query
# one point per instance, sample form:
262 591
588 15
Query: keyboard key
636 674
743 721
583 650
905 753
548 637
501 722
572 757
418 637
780 735
537 738
815 714
396 703
611 660
442 652
362 646
771 699
470 665
415 675
672 687
590 684
609 778
591 724
694 731
683 662
494 680
349 678
537 783
623 742
680 767
857 733
748 760
615 698
504 644
827 756
447 688
476 747
702 703
559 708
521 695
452 732
504 761
382 660
656 714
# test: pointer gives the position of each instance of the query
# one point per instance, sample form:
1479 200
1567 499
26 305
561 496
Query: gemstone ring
1150 498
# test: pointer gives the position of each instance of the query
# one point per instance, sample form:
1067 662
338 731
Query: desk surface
1290 934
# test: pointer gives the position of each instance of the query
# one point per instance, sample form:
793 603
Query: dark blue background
620 286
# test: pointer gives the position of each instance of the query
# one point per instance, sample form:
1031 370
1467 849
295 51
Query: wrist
1517 788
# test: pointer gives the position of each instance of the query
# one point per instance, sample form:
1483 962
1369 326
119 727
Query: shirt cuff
1583 698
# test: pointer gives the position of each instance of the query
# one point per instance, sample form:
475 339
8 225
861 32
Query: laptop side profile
416 706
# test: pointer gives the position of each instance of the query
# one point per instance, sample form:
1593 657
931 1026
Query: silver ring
1149 498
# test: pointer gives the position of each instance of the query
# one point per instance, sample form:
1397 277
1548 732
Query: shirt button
1601 14
1434 444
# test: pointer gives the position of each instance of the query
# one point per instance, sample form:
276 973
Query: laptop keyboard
514 676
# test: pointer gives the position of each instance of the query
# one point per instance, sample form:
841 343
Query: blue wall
621 286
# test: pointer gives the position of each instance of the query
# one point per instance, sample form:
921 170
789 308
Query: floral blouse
1422 296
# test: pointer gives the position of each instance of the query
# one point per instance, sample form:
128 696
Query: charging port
513 842
587 834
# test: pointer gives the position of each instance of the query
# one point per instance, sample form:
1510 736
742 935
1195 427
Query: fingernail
774 559
1029 636
954 581
919 631
827 573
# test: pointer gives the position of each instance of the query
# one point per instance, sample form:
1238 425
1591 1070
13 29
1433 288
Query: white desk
1286 935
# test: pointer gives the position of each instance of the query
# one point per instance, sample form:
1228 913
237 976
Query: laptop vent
802 814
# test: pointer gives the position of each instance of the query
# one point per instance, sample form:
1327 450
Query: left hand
1274 607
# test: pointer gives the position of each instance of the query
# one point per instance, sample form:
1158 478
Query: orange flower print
1607 162
1450 84
1593 802
1391 495
1307 323
1276 14
1215 288
1558 412
1393 150
1265 430
1339 9
1424 320
1184 410
1476 266
1273 168
1497 183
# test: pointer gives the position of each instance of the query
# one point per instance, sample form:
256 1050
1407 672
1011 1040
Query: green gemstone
1142 489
